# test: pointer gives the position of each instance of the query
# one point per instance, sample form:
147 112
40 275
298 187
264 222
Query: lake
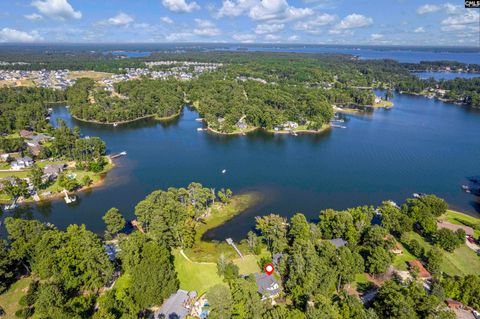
446 75
420 145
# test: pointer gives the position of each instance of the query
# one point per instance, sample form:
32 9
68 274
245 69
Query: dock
230 242
118 155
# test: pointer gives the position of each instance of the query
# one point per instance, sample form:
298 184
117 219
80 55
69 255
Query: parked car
476 314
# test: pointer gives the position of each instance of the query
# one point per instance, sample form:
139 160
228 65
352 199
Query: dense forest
26 108
70 269
133 100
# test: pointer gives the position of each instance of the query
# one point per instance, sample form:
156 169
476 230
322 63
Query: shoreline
154 116
56 196
284 132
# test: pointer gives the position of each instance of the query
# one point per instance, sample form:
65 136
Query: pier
124 153
230 242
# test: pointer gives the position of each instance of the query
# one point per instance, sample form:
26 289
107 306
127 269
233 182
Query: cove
419 145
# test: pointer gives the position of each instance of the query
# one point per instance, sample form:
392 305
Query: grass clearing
400 261
9 300
463 261
247 265
97 76
195 276
458 218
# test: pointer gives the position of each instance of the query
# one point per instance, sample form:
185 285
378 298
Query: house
35 150
397 249
267 286
444 224
25 133
22 163
338 242
291 125
39 138
4 157
241 124
177 306
53 170
423 273
453 304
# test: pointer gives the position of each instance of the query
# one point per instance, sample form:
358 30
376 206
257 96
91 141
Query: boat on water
10 207
115 124
200 129
199 119
224 171
294 133
419 195
337 126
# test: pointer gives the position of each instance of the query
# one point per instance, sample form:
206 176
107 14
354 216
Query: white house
22 163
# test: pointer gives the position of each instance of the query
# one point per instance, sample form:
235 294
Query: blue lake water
446 75
420 145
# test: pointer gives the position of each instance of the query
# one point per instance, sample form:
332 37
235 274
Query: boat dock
118 155
230 242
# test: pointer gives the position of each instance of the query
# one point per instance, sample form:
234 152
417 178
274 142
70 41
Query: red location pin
269 269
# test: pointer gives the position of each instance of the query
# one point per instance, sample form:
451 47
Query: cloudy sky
402 22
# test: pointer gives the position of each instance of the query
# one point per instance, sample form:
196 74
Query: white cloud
314 25
269 28
376 36
179 36
57 9
278 10
419 30
350 22
180 5
33 17
469 17
166 20
293 38
12 35
452 9
235 8
118 20
206 28
272 37
244 38
428 8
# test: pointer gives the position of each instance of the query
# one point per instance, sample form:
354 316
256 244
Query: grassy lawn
209 251
9 300
247 265
195 276
462 261
462 219
383 103
97 76
19 174
400 261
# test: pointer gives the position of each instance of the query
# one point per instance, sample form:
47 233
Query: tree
16 188
449 240
114 221
253 243
154 278
6 267
246 300
86 181
36 174
394 220
378 260
434 260
274 231
51 302
220 301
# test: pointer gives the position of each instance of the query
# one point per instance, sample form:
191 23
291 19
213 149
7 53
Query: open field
458 218
97 76
384 104
463 261
9 300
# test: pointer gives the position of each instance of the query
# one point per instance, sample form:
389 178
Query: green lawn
463 261
209 251
400 261
247 265
462 219
195 276
9 299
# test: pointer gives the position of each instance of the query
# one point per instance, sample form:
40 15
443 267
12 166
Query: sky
369 22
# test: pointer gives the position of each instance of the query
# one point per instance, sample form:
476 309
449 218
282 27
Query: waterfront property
267 286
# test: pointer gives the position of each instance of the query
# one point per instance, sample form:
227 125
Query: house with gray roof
177 306
338 242
22 163
267 286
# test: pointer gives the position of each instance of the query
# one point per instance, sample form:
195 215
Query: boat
294 133
199 129
419 195
224 171
337 126
199 119
115 124
10 207
69 199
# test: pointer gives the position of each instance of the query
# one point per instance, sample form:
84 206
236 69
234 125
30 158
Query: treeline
70 269
25 108
132 100
439 66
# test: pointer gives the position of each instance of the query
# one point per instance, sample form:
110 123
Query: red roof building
422 272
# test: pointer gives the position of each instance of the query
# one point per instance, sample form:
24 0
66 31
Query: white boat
294 134
69 199
224 171
115 124
199 119
10 207
199 129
